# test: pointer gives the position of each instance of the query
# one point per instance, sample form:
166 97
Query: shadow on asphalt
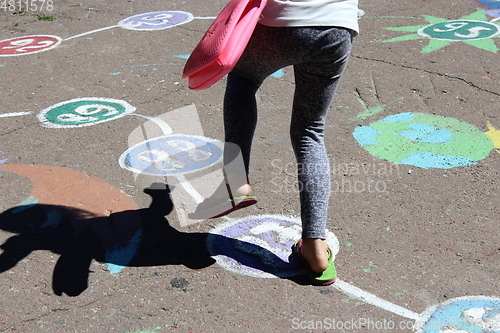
130 238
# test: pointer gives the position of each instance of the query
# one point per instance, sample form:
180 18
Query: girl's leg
263 56
240 118
316 82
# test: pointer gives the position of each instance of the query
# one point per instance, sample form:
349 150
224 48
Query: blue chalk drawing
278 73
53 219
473 314
25 204
172 155
428 160
426 133
120 257
398 118
366 135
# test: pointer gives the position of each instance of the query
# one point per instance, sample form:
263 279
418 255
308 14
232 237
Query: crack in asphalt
450 76
19 128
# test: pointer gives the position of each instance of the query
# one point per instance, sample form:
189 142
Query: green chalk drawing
371 111
369 268
349 299
472 29
426 141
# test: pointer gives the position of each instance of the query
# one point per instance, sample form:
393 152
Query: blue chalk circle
472 314
172 155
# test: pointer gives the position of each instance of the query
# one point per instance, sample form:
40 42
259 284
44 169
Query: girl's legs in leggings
315 86
319 57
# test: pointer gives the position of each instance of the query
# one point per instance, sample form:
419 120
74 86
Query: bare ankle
315 251
238 184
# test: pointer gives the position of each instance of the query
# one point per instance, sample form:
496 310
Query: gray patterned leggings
319 56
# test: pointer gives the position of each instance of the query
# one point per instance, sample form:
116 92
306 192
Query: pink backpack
223 44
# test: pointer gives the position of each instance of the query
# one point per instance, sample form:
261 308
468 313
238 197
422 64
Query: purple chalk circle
28 45
156 20
260 246
86 111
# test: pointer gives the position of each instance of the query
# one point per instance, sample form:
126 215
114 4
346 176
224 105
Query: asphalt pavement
105 152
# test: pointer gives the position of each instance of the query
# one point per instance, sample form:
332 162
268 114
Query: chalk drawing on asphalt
492 7
15 114
481 312
468 314
473 29
171 155
151 21
28 45
427 141
85 111
156 20
260 245
188 161
51 189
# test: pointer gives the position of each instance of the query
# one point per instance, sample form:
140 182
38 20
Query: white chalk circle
260 246
172 155
86 111
156 20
